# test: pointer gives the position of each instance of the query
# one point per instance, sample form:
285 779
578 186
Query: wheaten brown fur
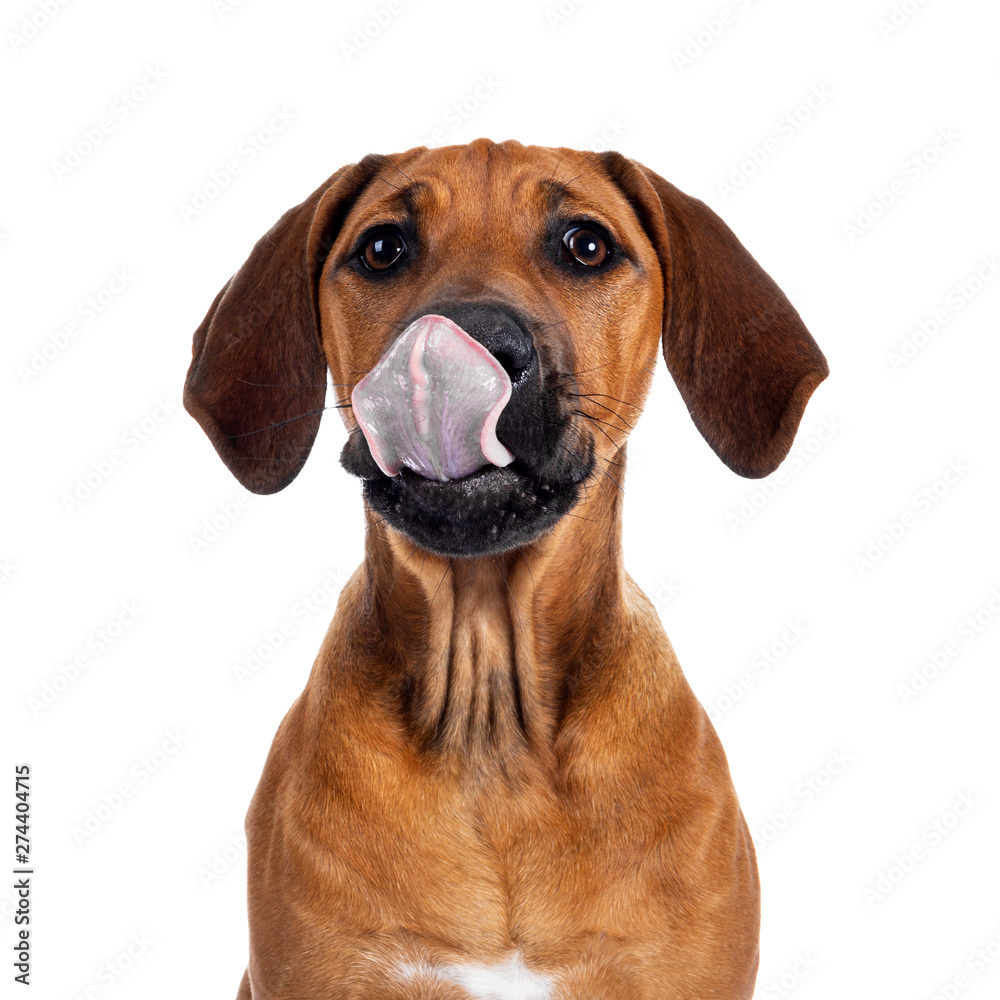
500 753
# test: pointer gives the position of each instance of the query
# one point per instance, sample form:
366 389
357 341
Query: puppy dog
497 782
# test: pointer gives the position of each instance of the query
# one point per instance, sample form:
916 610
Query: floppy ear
740 355
257 381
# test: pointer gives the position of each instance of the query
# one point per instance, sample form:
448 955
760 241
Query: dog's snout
498 331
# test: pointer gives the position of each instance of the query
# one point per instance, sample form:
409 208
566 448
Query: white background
828 710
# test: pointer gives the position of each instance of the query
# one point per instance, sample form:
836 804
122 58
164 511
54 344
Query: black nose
498 330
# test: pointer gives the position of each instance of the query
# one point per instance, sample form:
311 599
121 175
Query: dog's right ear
257 381
738 351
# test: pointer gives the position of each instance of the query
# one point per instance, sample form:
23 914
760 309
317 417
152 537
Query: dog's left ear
740 355
257 381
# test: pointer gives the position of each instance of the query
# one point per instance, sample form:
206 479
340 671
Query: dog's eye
586 246
383 250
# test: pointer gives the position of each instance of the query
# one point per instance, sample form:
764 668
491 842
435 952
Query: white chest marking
510 980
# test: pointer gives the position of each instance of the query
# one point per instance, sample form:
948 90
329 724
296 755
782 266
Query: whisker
604 395
593 520
281 385
396 324
602 430
555 173
587 370
598 420
443 575
603 407
395 187
280 423
347 405
517 610
400 570
612 478
525 560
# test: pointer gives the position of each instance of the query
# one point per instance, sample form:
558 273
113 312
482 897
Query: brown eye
383 250
587 246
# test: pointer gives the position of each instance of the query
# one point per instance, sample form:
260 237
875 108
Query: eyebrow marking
401 173
398 208
406 198
556 193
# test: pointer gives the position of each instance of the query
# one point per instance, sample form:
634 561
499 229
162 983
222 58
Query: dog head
570 269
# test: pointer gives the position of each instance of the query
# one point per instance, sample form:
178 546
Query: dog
497 783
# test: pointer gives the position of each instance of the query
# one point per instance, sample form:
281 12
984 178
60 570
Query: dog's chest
471 885
511 979
511 902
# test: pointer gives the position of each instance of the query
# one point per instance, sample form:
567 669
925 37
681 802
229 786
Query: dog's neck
488 651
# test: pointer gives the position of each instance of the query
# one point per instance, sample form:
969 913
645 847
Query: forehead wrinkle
559 198
566 202
553 193
404 199
397 205
574 205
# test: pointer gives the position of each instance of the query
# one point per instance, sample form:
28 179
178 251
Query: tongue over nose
432 403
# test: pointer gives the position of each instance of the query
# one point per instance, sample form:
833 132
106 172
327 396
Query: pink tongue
432 403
